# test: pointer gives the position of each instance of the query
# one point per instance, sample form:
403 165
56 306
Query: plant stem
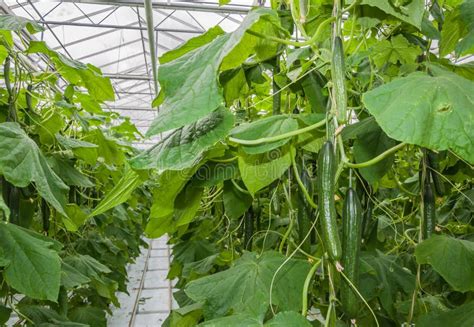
299 181
278 137
375 160
307 281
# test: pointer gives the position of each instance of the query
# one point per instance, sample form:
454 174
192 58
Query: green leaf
86 265
288 318
214 173
75 217
453 29
108 148
34 267
17 23
169 185
185 146
88 315
453 259
411 13
460 317
89 104
21 163
187 204
258 171
5 313
71 278
397 49
68 173
48 127
195 93
84 150
267 127
120 193
387 278
244 284
77 73
192 44
429 111
368 146
235 201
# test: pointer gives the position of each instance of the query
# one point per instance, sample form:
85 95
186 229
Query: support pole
151 42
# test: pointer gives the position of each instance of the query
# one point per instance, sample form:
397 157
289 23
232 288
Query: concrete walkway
150 299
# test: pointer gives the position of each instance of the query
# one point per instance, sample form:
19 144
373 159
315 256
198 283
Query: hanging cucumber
338 78
14 204
429 209
434 172
276 89
351 238
327 210
304 210
6 75
248 229
257 210
29 103
276 205
45 215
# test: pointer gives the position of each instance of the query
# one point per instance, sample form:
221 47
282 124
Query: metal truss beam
191 6
118 27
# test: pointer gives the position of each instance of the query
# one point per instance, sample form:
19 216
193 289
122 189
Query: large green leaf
411 13
169 185
88 315
451 258
244 284
17 23
185 146
398 49
192 44
21 163
33 265
68 173
430 111
77 73
282 319
119 193
236 202
258 171
195 93
267 127
4 314
461 316
382 276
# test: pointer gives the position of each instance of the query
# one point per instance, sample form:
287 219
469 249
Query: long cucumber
429 209
327 210
351 239
338 78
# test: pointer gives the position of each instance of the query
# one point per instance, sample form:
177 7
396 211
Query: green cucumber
338 78
248 231
434 172
276 89
6 76
327 210
304 210
45 214
351 238
429 209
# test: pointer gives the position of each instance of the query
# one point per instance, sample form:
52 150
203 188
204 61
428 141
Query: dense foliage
317 163
63 255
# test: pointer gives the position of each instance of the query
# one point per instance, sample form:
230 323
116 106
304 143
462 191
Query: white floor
150 299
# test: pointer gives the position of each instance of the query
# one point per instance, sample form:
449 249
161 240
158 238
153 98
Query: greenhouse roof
112 35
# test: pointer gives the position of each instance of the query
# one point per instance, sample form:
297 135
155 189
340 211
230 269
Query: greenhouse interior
237 163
